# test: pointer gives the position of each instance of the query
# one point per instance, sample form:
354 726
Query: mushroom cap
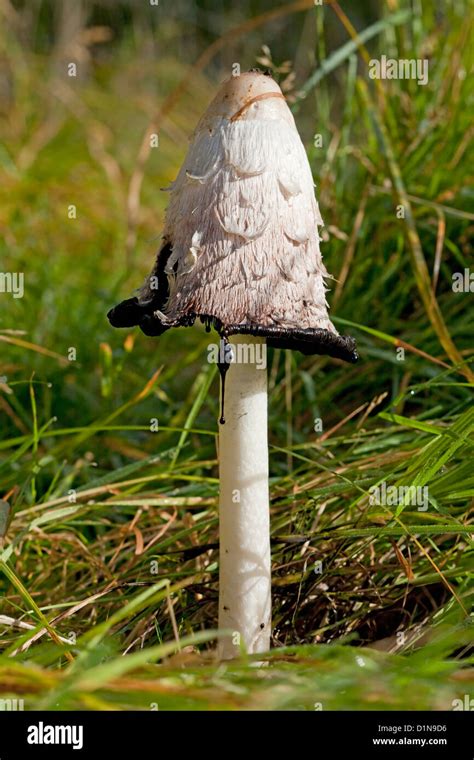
240 241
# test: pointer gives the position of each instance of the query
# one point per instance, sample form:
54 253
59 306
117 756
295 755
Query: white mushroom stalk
241 252
244 518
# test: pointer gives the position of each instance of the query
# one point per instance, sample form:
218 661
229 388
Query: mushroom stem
244 519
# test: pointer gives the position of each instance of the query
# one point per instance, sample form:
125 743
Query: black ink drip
225 358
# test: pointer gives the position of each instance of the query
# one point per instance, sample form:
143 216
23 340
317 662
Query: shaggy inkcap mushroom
241 252
240 242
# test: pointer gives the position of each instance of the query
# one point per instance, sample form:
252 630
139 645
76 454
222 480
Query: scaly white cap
241 242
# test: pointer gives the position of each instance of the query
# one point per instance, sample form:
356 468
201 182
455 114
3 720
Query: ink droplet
226 356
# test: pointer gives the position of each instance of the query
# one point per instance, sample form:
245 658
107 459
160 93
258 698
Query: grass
111 546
